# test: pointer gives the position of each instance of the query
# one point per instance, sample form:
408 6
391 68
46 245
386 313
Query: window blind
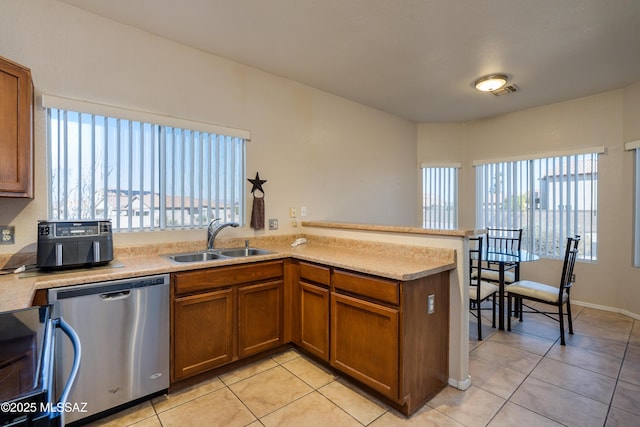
141 175
440 196
549 198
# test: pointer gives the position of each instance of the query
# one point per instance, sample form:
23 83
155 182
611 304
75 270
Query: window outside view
142 176
551 199
440 198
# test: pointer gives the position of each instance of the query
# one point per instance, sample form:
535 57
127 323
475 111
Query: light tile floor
520 378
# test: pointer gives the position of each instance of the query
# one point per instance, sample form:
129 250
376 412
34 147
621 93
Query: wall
607 119
629 282
342 160
439 143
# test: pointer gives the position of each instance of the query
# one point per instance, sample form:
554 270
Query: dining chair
548 294
503 240
479 289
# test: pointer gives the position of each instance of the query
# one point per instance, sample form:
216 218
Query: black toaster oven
69 244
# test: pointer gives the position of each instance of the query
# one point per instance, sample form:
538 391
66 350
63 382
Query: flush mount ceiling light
491 83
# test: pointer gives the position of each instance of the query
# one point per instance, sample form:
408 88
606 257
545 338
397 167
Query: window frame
635 147
152 160
521 175
447 175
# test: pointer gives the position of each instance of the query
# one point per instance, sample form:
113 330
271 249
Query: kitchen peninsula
393 282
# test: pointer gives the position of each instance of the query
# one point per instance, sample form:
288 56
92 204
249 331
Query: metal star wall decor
257 183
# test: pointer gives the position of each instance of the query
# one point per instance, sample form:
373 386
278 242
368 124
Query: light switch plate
7 234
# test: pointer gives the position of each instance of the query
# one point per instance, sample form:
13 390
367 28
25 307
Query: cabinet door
365 342
203 332
16 110
314 319
260 317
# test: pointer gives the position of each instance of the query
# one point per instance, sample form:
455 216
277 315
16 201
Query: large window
549 198
142 175
635 146
440 196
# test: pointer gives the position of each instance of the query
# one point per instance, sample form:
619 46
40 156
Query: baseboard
606 308
460 385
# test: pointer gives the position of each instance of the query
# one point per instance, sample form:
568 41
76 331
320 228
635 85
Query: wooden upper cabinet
16 130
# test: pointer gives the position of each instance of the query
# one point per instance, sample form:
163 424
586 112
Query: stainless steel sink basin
217 254
243 252
196 257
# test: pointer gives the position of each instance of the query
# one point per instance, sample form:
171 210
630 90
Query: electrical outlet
293 212
273 224
7 234
303 211
431 304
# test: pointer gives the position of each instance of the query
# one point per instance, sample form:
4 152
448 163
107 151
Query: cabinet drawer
315 273
210 278
372 287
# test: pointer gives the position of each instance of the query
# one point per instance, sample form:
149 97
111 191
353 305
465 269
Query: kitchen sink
217 254
243 252
196 257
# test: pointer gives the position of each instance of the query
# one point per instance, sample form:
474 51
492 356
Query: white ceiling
416 59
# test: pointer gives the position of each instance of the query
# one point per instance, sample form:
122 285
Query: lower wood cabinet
203 332
260 317
312 309
391 336
385 335
365 342
223 314
314 320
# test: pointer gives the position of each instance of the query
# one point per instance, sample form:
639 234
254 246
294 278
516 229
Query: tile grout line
317 390
589 319
508 400
624 356
547 353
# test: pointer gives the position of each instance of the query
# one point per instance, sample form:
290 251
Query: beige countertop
399 262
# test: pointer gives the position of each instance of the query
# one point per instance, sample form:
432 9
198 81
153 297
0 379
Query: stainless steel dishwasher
123 326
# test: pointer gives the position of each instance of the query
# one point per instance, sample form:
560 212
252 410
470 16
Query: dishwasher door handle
112 296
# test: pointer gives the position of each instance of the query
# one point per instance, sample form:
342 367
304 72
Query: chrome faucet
213 229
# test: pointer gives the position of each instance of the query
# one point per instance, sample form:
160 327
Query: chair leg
569 314
561 324
493 305
508 312
520 308
479 321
